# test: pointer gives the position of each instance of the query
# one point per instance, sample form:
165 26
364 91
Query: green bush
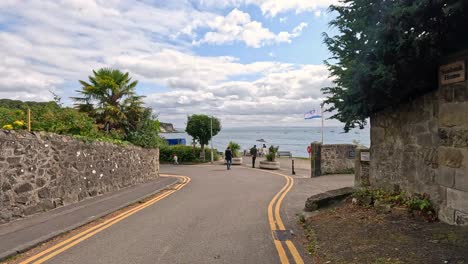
271 156
416 203
184 153
234 148
52 117
48 116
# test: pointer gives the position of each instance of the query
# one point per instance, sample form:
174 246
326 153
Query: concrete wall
42 171
422 146
337 158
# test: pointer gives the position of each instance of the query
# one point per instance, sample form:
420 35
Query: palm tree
110 98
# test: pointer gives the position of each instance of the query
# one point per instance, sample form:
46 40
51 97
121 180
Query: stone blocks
461 179
457 199
446 176
41 171
422 145
337 158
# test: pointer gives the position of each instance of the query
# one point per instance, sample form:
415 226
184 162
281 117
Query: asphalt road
219 217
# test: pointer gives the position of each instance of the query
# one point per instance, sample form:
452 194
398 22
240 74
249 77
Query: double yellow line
72 241
276 223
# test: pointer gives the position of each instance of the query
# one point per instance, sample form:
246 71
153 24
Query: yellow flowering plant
18 124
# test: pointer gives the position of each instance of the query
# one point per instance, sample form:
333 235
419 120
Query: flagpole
321 113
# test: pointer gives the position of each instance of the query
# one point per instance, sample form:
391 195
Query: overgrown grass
312 243
414 202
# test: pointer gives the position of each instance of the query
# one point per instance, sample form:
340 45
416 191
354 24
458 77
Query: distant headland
167 128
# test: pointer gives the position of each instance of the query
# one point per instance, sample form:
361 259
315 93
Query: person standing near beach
228 157
264 150
253 152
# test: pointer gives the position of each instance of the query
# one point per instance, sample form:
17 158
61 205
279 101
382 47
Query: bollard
293 172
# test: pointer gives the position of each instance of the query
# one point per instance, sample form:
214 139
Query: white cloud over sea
189 56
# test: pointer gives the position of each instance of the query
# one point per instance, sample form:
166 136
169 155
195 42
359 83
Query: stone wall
422 146
337 158
42 171
361 167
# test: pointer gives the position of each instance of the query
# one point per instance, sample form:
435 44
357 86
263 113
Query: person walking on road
176 159
253 152
228 157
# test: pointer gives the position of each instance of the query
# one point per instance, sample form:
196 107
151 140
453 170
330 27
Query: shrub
234 148
416 203
271 156
184 153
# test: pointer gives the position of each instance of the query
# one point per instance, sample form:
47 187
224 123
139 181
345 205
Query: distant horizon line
339 127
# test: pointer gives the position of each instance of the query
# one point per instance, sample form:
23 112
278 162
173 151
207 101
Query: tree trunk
202 152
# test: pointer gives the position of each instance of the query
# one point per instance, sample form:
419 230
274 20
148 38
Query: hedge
185 154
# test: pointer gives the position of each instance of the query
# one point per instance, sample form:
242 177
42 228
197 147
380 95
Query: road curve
219 217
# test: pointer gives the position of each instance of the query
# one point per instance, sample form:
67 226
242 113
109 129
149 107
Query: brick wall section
422 146
42 171
337 158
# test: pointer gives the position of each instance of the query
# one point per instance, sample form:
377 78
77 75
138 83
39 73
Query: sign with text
365 156
452 73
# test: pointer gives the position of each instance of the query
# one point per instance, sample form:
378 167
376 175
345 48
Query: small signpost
452 73
365 156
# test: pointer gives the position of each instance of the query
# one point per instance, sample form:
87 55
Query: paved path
25 233
218 217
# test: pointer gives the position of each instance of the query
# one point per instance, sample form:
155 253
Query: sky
247 62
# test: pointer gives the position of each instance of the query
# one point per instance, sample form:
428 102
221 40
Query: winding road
212 216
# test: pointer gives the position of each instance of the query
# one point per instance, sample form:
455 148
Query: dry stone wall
422 146
337 158
42 171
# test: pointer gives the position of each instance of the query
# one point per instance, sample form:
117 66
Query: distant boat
261 140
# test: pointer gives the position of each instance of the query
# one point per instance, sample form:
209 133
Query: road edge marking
278 199
60 247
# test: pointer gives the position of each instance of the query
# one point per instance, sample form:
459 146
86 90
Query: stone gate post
315 157
361 168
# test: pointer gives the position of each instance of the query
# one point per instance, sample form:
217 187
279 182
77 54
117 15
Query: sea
294 139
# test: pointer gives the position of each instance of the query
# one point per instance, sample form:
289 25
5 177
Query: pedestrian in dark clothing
253 152
228 157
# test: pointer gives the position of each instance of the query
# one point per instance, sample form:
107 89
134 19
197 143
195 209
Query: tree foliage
388 52
110 98
146 132
199 127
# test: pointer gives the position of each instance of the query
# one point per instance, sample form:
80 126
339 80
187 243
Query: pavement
22 234
301 165
220 216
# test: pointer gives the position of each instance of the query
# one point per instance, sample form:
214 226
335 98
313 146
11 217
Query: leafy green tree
388 52
199 127
146 132
110 98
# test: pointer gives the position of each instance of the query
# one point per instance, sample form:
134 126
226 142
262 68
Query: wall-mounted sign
452 73
365 156
351 154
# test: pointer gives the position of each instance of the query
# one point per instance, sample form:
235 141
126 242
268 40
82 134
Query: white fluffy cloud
274 7
238 26
49 45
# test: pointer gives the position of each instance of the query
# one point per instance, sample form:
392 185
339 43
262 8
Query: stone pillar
315 158
361 167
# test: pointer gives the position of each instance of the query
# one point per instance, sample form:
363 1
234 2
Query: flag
312 114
